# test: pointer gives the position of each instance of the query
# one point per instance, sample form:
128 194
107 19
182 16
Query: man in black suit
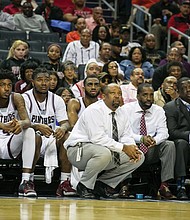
178 121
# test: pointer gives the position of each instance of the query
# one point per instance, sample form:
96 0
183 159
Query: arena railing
187 57
113 9
133 24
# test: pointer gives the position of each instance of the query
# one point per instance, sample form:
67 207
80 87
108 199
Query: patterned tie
143 132
115 137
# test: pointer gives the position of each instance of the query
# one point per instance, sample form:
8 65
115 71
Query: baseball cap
115 42
124 29
102 75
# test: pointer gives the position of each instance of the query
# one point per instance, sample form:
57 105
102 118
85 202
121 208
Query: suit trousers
164 152
182 157
96 158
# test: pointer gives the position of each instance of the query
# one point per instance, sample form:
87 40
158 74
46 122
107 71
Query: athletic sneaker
65 189
27 189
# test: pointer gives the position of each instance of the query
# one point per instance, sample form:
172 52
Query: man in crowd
178 121
129 91
180 21
95 19
80 51
28 21
76 10
167 91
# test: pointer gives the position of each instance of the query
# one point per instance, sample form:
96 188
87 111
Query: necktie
143 132
115 137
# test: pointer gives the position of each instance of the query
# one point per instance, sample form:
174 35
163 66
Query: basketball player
16 136
44 109
77 105
75 108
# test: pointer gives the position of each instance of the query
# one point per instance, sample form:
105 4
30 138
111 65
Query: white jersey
8 114
82 106
47 112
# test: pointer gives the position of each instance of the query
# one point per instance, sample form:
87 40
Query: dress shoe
165 193
181 194
84 192
124 192
103 190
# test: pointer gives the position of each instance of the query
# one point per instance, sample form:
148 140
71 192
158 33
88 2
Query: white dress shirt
78 54
155 121
95 126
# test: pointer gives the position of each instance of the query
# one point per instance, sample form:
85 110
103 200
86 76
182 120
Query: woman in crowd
137 59
112 69
15 58
54 53
70 77
54 81
65 93
101 34
26 72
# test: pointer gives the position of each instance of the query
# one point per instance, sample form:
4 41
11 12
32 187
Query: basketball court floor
51 208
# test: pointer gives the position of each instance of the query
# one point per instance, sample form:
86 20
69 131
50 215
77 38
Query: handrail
136 25
184 35
114 10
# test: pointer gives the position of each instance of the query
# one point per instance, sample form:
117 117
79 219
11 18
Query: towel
50 158
75 176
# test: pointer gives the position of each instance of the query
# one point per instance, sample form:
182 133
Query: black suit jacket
178 120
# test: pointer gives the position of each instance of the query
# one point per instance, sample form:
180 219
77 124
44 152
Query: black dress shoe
124 192
181 194
103 190
84 192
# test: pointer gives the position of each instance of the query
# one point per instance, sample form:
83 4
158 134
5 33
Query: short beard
90 95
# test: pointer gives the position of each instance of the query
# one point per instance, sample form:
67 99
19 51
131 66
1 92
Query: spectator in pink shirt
95 19
129 91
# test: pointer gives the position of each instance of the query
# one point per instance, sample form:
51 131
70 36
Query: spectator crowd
101 107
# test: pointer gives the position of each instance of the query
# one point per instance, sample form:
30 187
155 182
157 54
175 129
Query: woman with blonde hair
15 58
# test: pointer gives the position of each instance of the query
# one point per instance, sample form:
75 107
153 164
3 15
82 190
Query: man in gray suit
101 145
150 132
178 120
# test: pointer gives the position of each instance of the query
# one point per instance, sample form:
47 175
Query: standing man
178 121
101 141
16 136
80 51
150 132
45 108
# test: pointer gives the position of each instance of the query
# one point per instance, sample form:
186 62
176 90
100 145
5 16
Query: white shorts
11 146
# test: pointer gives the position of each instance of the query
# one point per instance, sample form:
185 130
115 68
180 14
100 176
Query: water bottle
165 19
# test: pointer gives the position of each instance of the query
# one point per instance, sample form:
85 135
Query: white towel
75 176
50 158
